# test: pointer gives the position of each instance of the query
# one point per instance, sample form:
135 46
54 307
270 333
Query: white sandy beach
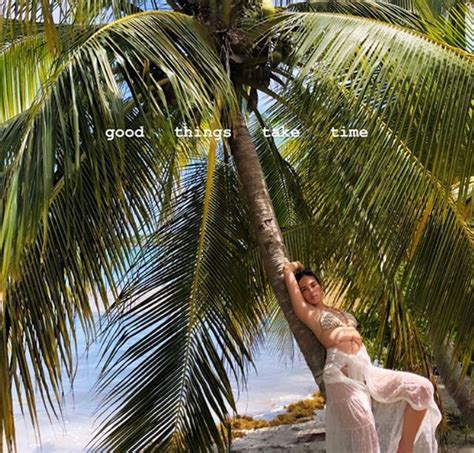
301 437
304 437
310 436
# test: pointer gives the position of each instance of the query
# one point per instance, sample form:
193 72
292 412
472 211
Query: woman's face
311 290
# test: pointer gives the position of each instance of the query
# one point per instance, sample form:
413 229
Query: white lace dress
365 409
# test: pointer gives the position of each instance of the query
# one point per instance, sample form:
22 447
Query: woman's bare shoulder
311 319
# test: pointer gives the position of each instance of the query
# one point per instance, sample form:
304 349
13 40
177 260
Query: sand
310 436
300 437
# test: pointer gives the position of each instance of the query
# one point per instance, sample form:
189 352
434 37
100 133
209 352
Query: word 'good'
113 133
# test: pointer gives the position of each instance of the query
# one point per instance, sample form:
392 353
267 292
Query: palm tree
189 234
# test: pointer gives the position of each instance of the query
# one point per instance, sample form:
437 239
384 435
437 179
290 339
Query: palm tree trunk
270 240
457 388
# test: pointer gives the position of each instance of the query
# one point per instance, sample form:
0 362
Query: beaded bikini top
329 320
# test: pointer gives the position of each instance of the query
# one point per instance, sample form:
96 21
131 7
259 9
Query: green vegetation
182 240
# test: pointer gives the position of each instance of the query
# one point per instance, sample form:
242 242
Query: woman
369 409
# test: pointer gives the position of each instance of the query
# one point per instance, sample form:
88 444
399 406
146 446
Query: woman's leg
411 422
350 424
390 385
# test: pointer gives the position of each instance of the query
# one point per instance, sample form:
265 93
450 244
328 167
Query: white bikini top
329 320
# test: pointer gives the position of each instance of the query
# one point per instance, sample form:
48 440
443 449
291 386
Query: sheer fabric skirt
365 409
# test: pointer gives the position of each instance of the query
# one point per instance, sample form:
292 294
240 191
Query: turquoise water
274 385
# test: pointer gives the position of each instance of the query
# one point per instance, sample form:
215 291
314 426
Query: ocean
273 385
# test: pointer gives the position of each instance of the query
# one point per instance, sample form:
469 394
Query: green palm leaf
78 201
381 11
88 245
76 108
415 158
196 323
378 215
447 23
17 97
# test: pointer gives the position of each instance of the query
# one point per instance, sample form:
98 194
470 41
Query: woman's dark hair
308 272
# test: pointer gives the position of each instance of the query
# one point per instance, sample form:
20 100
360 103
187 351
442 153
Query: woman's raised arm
302 309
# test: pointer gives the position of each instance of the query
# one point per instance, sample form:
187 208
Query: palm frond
89 244
447 22
74 202
178 325
385 183
455 26
382 11
385 78
28 18
82 101
28 63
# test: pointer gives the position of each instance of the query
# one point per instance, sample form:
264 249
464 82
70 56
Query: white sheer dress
365 408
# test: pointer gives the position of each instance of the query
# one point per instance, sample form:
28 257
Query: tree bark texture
458 389
270 240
